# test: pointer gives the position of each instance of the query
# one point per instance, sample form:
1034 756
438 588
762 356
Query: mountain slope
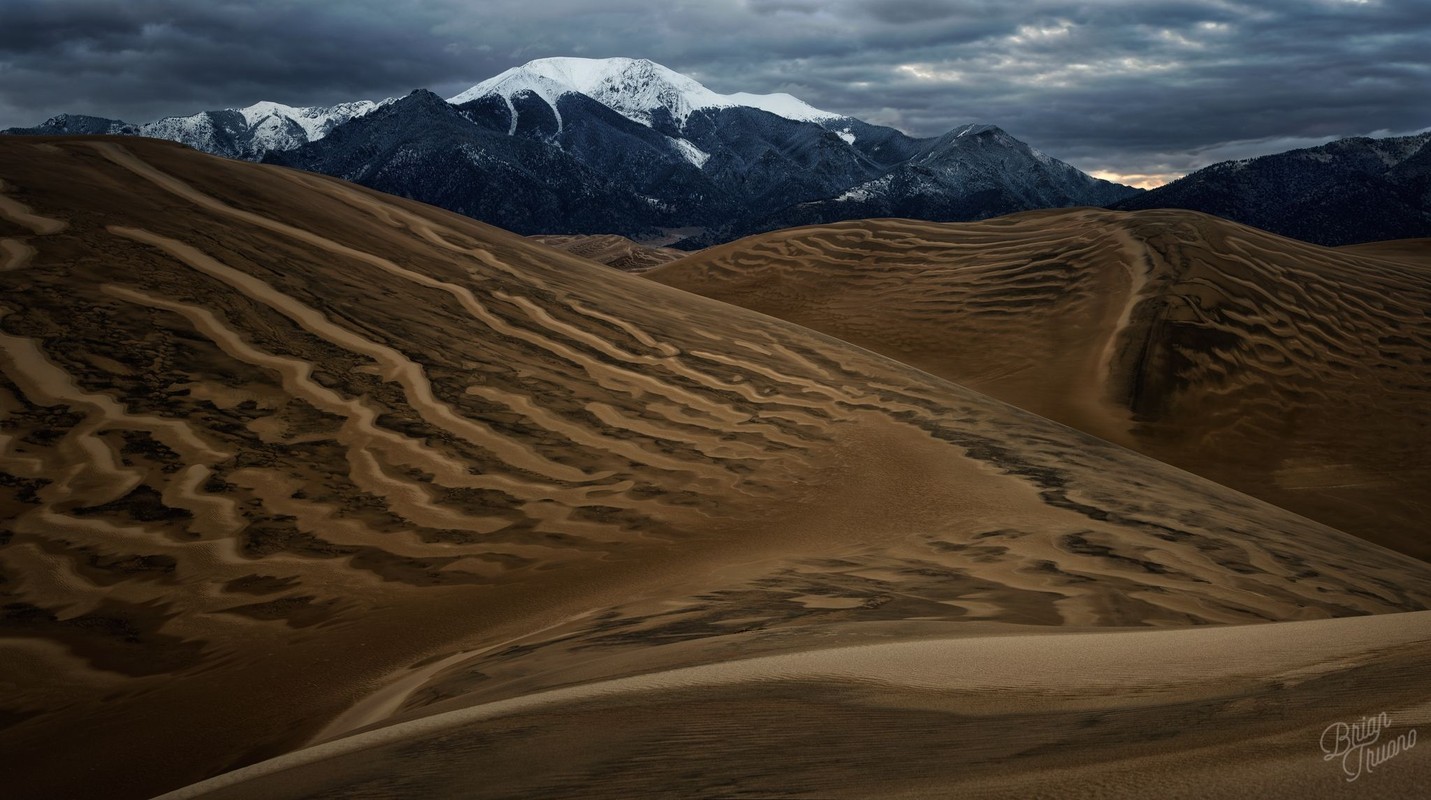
246 133
279 451
704 160
1295 373
250 132
772 161
423 148
723 166
973 172
1346 192
629 147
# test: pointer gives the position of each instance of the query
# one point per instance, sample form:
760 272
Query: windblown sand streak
270 443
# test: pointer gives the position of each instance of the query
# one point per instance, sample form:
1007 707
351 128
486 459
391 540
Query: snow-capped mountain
628 146
636 88
246 133
250 132
1345 192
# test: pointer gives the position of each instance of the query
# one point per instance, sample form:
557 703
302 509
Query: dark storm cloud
142 58
1125 87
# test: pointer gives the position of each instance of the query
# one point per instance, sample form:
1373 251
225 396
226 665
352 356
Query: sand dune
612 250
1233 711
282 458
1292 372
1414 251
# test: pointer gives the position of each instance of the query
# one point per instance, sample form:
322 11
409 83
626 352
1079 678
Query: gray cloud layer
1128 87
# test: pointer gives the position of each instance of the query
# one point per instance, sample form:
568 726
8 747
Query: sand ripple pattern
270 442
1296 373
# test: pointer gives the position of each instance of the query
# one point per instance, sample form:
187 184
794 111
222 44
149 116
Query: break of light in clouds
1132 90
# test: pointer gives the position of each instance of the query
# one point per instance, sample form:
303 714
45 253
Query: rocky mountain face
1346 192
627 146
424 148
973 172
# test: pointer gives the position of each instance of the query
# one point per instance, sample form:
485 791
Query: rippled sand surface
1298 374
285 462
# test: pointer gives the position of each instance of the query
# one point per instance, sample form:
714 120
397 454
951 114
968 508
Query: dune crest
1292 372
613 251
1132 711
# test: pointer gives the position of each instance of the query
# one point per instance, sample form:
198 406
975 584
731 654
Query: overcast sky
1138 90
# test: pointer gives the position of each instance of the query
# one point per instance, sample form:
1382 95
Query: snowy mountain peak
316 121
633 87
251 131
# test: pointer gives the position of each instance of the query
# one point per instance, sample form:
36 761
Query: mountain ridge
1348 191
640 151
246 133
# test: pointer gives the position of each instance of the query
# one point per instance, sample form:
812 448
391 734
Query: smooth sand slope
282 458
1414 251
612 250
1296 373
1227 711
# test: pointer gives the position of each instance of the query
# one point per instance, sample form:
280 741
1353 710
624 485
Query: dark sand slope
275 452
1296 373
612 250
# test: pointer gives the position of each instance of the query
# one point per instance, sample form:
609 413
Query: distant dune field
283 459
613 251
1298 374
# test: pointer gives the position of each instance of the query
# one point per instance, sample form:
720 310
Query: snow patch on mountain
512 112
865 191
510 84
635 88
690 152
